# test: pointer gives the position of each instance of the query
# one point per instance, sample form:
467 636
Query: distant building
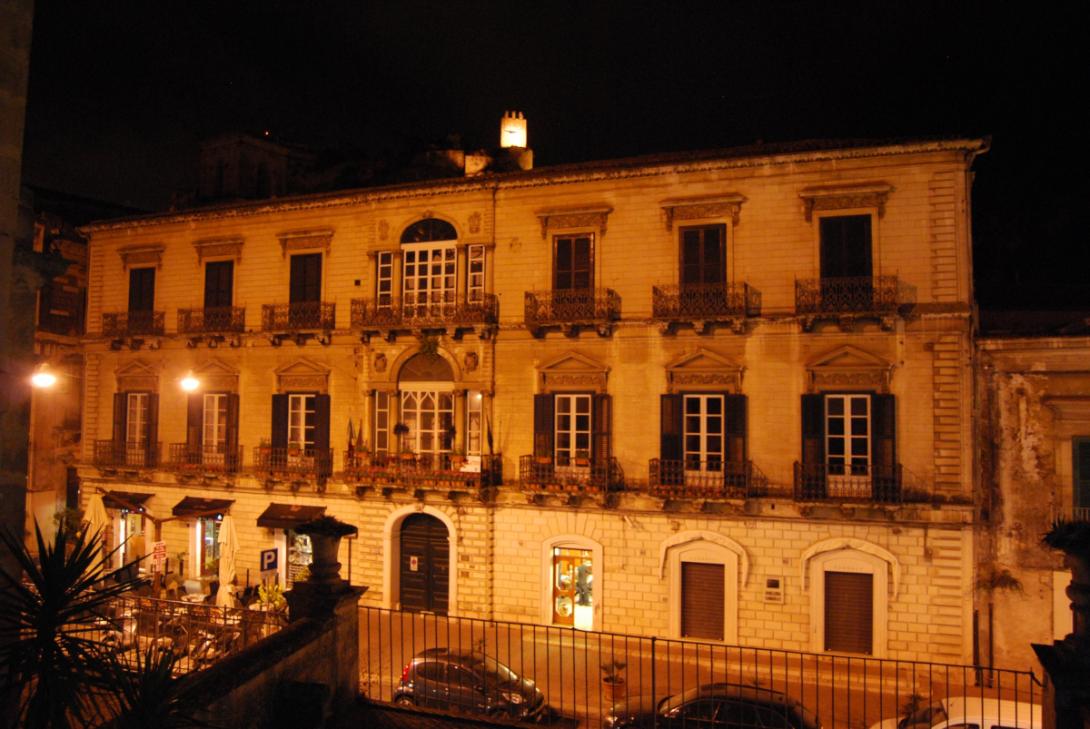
1034 405
723 395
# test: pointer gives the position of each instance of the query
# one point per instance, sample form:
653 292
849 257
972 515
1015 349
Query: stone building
721 395
1034 395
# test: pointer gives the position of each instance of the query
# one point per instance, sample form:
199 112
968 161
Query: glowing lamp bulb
190 383
43 378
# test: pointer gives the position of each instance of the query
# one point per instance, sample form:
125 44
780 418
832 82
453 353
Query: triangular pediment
137 368
702 360
573 362
703 369
848 357
850 368
215 367
302 367
573 371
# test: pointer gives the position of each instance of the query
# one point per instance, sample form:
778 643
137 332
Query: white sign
269 559
414 563
158 556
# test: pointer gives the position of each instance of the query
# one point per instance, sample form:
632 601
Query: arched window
429 230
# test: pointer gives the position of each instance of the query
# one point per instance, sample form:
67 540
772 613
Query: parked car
714 705
468 682
969 712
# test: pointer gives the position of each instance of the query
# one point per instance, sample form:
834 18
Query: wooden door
425 564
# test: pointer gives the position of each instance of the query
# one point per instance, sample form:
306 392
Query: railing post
654 688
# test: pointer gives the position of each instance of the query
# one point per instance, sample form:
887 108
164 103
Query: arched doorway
424 570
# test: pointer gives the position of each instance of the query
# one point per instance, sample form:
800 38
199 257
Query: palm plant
145 693
51 667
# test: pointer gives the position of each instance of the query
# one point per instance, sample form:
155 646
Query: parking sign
269 559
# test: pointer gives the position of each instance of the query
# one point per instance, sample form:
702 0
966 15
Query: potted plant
400 430
613 679
264 450
325 534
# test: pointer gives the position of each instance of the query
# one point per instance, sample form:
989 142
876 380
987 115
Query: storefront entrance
573 588
424 569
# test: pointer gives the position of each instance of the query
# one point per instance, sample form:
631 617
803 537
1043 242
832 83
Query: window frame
724 266
309 419
850 560
591 268
875 235
221 423
573 431
143 421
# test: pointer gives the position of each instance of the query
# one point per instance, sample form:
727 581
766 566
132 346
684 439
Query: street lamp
190 383
43 378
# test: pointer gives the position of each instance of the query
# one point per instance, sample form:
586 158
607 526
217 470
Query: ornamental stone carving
142 255
230 247
383 230
702 208
302 375
846 197
580 217
705 370
571 371
475 223
850 368
380 362
470 361
305 240
289 383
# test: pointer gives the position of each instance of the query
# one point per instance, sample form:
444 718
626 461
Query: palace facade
722 395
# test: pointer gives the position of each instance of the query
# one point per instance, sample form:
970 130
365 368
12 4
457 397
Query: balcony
822 482
132 324
186 458
704 304
572 310
296 465
299 320
371 317
115 454
218 320
1071 513
580 477
440 472
846 300
690 479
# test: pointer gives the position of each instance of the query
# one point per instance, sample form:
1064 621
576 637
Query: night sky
121 93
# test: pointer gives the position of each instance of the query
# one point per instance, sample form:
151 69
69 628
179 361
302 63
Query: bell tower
513 130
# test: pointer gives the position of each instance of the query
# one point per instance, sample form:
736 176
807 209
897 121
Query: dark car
714 706
468 682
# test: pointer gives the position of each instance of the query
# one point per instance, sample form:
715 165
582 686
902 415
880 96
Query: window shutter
232 425
813 446
279 421
602 426
883 416
670 415
152 457
321 422
1081 461
543 425
735 410
194 422
121 414
702 600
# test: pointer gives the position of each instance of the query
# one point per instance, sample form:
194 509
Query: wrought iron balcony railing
212 320
409 470
132 323
712 479
824 482
405 312
875 295
186 457
578 477
298 316
1071 513
585 306
294 463
120 454
704 301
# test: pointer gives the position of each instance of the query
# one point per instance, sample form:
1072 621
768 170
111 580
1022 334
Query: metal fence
567 666
198 634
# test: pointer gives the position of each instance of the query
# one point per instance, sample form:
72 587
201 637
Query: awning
197 506
124 500
288 516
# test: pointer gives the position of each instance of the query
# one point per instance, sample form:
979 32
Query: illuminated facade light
43 378
190 383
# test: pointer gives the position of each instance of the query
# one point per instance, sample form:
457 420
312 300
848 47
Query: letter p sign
268 560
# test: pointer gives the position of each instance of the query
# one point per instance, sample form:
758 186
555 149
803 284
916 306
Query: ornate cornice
844 197
227 247
577 217
142 255
305 240
698 208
